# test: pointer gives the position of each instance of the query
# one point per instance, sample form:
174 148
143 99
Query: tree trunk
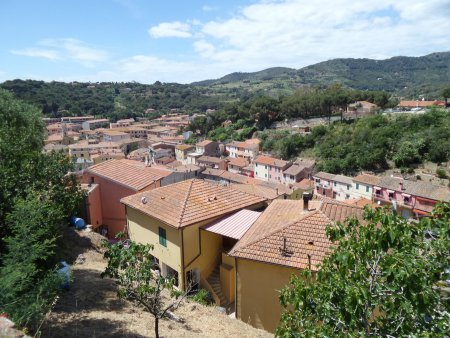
156 327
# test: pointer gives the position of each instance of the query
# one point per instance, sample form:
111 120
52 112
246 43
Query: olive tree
381 279
131 266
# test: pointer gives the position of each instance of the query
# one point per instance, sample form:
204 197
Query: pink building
116 179
411 199
270 169
324 184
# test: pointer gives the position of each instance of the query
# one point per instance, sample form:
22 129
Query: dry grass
91 307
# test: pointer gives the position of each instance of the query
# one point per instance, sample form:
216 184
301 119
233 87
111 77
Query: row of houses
241 240
411 199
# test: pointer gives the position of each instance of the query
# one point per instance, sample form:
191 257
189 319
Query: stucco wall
94 207
257 297
145 229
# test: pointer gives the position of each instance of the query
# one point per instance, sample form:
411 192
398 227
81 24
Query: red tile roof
204 143
367 179
189 202
285 234
132 175
274 162
238 162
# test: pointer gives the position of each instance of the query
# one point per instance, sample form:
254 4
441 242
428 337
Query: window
347 197
391 195
265 175
334 183
367 188
270 176
348 187
357 186
265 167
406 199
162 237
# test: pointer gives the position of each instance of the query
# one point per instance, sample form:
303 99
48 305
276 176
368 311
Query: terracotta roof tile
303 231
204 143
367 179
258 190
189 202
267 160
416 188
238 162
324 175
125 172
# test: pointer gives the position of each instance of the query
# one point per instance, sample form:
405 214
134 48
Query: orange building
114 180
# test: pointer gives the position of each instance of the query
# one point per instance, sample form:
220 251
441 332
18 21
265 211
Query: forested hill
407 77
401 75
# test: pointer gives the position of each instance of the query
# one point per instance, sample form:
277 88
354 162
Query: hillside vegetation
370 143
400 76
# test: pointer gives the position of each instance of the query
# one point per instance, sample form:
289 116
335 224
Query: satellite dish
144 200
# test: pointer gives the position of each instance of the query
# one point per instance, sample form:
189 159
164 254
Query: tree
37 198
446 95
130 264
380 280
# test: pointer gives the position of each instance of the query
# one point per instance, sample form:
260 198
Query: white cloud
207 8
65 49
48 54
171 29
296 33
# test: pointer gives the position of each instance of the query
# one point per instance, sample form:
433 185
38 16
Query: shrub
441 173
203 297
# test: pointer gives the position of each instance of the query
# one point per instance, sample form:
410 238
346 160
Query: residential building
122 123
248 149
324 184
117 179
212 162
77 119
411 199
342 187
181 152
111 135
363 185
94 124
287 238
178 220
235 165
420 104
299 170
359 109
270 169
208 148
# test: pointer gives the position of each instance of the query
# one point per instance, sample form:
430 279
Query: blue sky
185 41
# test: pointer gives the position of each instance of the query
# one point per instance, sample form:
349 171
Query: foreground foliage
379 281
131 265
37 198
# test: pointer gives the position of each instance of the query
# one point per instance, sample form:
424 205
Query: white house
342 188
363 185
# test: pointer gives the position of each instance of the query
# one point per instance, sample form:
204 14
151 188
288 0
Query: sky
185 41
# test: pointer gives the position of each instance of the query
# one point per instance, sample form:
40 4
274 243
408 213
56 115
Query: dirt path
91 307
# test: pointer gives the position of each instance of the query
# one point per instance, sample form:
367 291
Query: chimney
400 186
306 199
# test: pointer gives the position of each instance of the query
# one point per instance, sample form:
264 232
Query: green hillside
401 75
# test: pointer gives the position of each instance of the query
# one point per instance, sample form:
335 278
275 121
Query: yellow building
176 220
285 239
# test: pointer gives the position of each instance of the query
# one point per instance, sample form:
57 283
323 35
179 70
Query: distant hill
401 75
263 75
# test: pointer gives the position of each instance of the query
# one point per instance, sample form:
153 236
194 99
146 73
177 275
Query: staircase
214 282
